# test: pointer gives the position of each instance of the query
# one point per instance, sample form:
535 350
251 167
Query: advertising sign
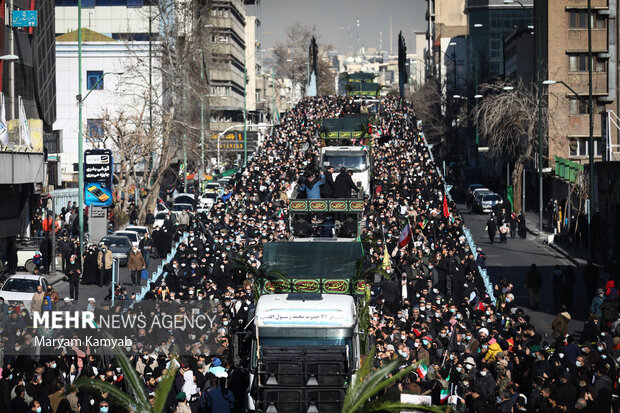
98 177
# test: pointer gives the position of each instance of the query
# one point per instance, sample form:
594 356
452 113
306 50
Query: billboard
98 177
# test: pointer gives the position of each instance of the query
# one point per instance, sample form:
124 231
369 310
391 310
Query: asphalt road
513 259
99 293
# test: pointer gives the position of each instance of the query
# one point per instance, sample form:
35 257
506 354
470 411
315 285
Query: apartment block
565 53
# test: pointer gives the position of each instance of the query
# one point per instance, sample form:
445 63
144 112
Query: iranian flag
443 396
405 236
422 370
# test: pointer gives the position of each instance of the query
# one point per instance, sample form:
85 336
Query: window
88 4
600 65
599 22
92 80
578 106
95 129
578 62
579 147
578 19
134 3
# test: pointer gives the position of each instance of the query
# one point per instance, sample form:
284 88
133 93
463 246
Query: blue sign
98 177
25 18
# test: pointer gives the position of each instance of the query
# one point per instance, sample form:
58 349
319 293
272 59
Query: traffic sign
24 18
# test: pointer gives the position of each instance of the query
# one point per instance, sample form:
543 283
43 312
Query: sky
335 21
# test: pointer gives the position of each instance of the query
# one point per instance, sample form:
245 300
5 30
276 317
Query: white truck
355 158
305 352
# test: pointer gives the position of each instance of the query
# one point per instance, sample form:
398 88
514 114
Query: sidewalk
531 222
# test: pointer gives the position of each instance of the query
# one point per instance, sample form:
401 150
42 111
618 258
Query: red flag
405 236
446 211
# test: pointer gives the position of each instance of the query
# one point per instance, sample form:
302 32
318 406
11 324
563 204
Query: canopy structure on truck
345 128
317 267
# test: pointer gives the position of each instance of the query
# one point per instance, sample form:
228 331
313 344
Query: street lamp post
539 85
81 100
590 154
222 134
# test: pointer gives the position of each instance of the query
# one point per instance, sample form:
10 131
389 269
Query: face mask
416 345
453 310
11 376
467 338
39 409
442 335
425 342
483 373
578 363
484 347
92 402
458 316
438 315
488 313
468 366
225 323
422 308
53 366
600 348
104 409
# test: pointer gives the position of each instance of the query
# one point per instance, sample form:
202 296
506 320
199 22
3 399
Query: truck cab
305 352
355 158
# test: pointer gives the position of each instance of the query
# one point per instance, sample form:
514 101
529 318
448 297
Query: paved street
513 260
99 293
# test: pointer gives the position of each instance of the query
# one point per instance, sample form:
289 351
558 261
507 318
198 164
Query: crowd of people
429 304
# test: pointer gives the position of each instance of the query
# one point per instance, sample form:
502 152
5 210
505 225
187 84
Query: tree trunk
517 186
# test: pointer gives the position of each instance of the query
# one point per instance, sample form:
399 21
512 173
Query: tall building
226 77
490 22
116 34
23 166
565 47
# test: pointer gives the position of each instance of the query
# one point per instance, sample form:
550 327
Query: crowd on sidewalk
429 304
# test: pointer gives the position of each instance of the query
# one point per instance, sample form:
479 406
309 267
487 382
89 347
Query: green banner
510 196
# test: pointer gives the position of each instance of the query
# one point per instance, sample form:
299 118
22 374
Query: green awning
313 259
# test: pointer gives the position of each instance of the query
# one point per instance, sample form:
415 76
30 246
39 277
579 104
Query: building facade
565 53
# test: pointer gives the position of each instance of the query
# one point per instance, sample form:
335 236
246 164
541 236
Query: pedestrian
105 260
521 227
597 303
37 300
327 190
344 184
533 283
146 245
557 283
136 264
491 228
73 273
90 268
503 233
12 257
218 398
149 220
512 222
560 324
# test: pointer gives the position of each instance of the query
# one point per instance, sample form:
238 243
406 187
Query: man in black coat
73 272
344 184
327 190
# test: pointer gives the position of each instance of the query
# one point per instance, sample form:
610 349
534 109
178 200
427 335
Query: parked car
161 216
212 187
134 237
478 199
19 288
488 201
26 249
207 200
120 246
138 229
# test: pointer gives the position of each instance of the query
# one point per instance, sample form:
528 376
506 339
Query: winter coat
560 324
494 349
108 259
343 186
595 307
136 261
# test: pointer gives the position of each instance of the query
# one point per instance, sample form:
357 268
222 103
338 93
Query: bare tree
163 117
507 118
292 59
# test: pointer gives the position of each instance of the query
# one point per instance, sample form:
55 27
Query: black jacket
343 186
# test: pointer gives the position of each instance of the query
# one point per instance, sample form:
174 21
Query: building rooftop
87 36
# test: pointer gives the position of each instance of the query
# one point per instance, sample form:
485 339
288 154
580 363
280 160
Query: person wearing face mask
73 273
104 263
104 407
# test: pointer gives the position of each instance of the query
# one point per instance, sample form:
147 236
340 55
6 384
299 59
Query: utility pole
11 63
80 136
202 123
245 111
591 135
